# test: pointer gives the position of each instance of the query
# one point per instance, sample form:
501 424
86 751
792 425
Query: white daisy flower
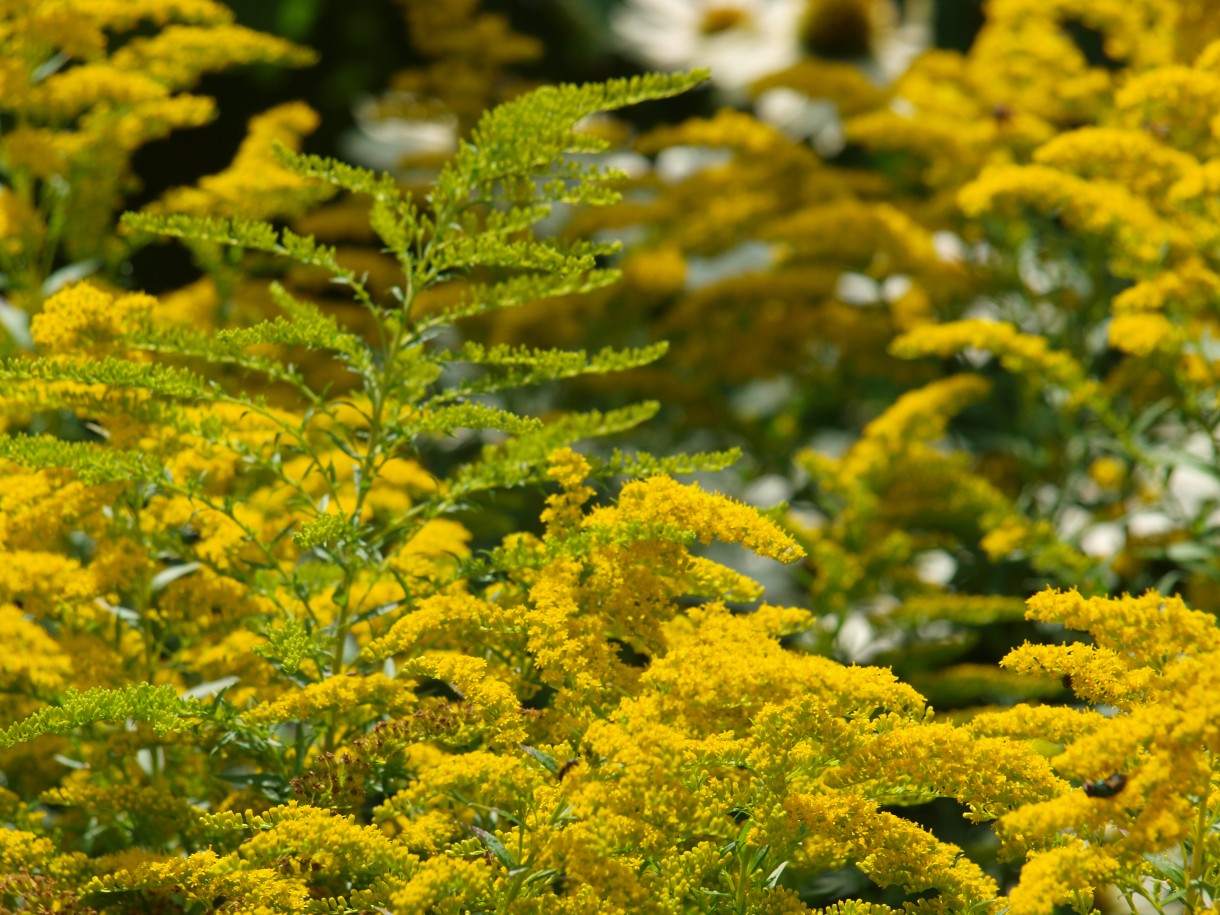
867 34
383 141
739 41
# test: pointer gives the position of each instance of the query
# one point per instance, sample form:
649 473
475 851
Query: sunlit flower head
739 41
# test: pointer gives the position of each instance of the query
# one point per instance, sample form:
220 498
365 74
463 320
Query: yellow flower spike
20 850
1140 32
709 516
1143 334
1181 99
891 850
1189 286
425 833
657 273
63 96
1021 354
563 509
728 128
335 845
1138 236
1151 629
739 656
256 185
1131 158
42 581
1097 674
116 16
80 317
1036 722
177 55
391 697
430 616
989 775
461 782
705 578
201 878
917 416
432 553
453 881
33 662
568 646
490 698
1060 876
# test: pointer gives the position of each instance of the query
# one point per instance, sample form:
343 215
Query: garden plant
380 560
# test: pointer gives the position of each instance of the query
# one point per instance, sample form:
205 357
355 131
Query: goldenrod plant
1031 215
331 584
85 86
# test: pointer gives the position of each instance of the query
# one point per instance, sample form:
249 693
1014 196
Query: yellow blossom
82 316
708 516
255 185
1140 237
563 509
1060 875
339 692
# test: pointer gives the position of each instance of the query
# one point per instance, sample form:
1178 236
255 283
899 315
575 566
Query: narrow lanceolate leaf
548 762
165 380
495 846
516 367
445 420
244 233
524 459
158 706
93 463
522 290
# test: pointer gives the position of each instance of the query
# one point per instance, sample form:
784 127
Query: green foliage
92 463
157 706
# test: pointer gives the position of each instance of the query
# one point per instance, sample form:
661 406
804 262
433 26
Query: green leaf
165 380
496 847
548 762
446 420
93 463
522 290
158 706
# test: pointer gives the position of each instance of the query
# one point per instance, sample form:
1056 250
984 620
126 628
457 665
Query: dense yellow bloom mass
1022 354
255 185
83 317
1149 769
918 416
300 615
708 516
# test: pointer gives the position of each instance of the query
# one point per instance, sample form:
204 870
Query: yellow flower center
838 28
719 19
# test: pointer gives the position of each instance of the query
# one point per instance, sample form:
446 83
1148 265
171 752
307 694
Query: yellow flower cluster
83 318
255 185
83 94
1148 771
381 710
1021 354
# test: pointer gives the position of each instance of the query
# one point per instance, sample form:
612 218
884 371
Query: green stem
1156 903
1194 867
